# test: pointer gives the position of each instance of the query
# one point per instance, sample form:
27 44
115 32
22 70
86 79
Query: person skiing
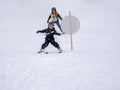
54 17
50 32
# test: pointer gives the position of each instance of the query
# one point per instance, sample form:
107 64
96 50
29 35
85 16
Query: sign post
70 25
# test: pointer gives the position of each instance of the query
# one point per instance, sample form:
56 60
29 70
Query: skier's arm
48 19
59 16
41 31
56 33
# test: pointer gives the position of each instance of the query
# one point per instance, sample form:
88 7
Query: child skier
54 17
50 32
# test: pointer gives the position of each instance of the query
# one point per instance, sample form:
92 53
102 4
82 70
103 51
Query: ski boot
41 50
60 50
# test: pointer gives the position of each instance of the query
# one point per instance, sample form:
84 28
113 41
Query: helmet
53 9
50 23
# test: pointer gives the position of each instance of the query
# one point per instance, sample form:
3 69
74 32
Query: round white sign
70 22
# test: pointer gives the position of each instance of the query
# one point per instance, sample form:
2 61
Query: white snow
94 64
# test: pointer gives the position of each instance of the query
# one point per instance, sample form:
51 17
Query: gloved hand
59 33
37 31
62 33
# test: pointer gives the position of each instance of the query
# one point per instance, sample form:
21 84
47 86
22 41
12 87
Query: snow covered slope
94 64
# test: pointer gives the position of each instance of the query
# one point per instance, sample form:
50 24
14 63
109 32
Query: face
53 11
51 26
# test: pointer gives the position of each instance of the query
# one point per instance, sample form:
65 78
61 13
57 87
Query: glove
37 31
59 34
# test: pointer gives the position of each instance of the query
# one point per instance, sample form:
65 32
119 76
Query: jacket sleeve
56 33
59 16
48 18
41 31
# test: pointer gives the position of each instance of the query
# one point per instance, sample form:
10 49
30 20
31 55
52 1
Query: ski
51 52
42 52
47 52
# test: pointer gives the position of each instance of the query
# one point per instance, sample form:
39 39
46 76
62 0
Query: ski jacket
49 33
54 17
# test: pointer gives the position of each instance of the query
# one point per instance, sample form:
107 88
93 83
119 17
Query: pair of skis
46 52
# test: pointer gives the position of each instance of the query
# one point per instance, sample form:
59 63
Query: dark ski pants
59 26
55 44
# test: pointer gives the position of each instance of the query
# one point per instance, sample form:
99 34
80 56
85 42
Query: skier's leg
45 44
59 26
55 44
